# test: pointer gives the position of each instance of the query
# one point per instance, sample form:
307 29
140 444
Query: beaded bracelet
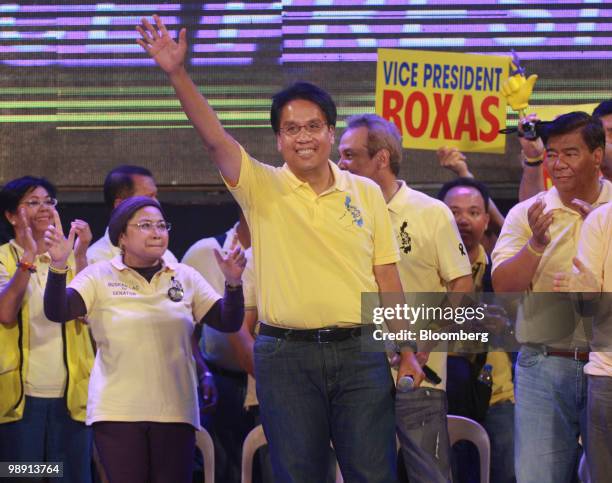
26 267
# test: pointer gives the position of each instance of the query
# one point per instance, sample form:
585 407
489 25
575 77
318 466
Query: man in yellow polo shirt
469 202
320 238
433 259
539 238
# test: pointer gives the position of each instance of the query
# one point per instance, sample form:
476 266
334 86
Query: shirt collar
340 178
398 200
117 262
482 257
553 200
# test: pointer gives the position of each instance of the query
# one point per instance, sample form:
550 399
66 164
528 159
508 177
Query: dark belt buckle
324 332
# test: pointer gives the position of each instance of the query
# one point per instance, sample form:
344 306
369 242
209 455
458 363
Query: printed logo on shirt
353 211
462 249
404 238
121 289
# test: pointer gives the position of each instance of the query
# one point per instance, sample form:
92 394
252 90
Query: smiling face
39 218
471 217
354 154
305 153
572 166
142 248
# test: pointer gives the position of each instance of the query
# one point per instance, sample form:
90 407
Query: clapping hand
84 237
58 246
232 265
581 280
539 222
23 233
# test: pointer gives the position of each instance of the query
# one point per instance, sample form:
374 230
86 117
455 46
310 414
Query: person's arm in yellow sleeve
170 56
516 273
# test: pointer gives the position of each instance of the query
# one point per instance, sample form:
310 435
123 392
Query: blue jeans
47 433
499 424
598 443
311 393
550 415
423 433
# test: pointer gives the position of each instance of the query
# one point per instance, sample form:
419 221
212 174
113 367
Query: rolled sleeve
514 235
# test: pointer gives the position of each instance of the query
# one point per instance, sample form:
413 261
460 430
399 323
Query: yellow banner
440 99
551 112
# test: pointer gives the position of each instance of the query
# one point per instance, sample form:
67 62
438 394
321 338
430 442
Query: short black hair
603 109
307 92
590 127
119 183
14 191
469 183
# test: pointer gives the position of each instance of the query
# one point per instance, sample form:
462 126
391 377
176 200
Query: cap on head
122 214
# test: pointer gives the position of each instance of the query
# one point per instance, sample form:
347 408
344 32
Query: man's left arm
391 293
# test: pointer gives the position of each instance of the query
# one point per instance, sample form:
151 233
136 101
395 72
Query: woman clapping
142 395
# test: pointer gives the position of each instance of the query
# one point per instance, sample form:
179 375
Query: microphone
405 384
431 375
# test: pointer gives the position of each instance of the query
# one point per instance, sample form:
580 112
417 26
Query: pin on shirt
175 292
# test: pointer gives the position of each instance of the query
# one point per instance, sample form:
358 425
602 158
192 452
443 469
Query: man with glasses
320 237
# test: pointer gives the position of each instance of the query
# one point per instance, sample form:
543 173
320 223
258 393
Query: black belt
335 334
221 371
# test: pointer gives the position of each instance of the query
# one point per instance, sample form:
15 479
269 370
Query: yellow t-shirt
594 250
313 254
545 318
431 253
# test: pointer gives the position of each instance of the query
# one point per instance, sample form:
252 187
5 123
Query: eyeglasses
49 203
313 127
149 226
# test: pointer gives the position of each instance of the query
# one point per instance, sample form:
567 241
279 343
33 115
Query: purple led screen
225 33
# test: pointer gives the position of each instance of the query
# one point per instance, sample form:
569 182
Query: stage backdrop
78 96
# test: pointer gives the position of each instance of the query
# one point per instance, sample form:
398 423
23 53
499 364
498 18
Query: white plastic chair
205 444
460 428
255 440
